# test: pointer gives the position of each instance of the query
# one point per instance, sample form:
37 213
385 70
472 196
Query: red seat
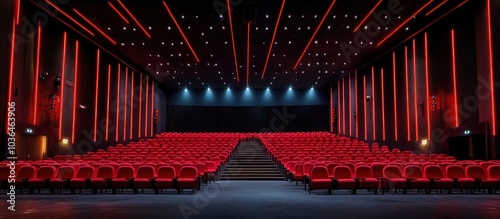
211 169
298 173
320 179
143 177
479 174
416 178
165 178
365 179
82 178
44 174
123 178
456 173
102 179
23 175
343 178
62 178
395 179
188 179
437 177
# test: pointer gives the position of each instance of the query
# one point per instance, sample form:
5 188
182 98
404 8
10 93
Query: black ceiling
166 55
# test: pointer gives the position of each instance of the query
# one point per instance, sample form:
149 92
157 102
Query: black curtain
247 119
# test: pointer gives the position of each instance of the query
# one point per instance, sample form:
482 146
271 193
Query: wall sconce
65 141
434 102
423 144
368 98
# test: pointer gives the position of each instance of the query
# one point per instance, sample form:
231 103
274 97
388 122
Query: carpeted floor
256 200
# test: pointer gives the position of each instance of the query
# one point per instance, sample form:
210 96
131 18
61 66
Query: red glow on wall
96 93
272 41
125 92
407 95
248 51
356 100
435 8
37 70
373 106
63 73
75 90
182 33
11 68
117 130
454 72
367 15
146 117
331 108
95 27
383 102
131 105
71 18
349 102
140 106
404 23
427 95
107 104
395 96
343 106
152 106
415 102
338 107
364 106
18 10
133 18
492 72
232 40
314 34
118 12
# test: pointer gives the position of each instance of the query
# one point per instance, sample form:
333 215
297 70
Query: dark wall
411 121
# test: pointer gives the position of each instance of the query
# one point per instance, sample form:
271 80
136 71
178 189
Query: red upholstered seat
165 178
343 178
479 174
104 174
62 178
82 178
320 179
188 178
395 179
143 177
364 176
456 173
43 175
23 175
416 178
437 177
123 177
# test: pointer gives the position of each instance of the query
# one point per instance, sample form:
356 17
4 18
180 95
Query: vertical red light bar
343 106
454 71
374 137
107 104
427 96
232 40
356 101
331 107
338 106
62 85
383 102
146 108
407 96
96 93
125 105
395 96
18 10
140 105
248 51
37 69
75 89
364 106
152 106
11 68
349 102
131 105
415 102
117 130
492 72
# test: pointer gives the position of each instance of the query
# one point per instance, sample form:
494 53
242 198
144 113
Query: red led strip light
331 108
314 34
427 96
338 106
107 104
11 68
356 100
407 96
454 69
96 93
272 40
133 18
125 105
146 108
180 30
415 102
364 105
383 102
395 96
373 105
402 24
93 25
248 51
232 40
435 8
18 10
62 85
75 89
37 70
152 105
367 15
118 12
117 130
71 18
492 77
132 105
343 106
140 105
349 103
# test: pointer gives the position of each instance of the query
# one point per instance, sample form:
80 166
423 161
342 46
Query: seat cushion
368 183
120 183
99 183
142 183
420 183
37 183
186 183
466 183
444 183
321 184
397 183
346 183
164 183
58 183
78 183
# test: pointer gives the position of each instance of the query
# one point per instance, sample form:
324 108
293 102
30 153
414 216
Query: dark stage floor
254 199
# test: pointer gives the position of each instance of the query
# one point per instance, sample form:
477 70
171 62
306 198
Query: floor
254 199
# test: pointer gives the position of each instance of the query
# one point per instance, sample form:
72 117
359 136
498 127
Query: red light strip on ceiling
349 103
96 93
364 105
402 24
133 18
343 106
131 105
438 6
232 40
383 102
492 72
180 30
125 92
146 108
356 100
427 95
415 103
274 37
140 105
118 12
331 108
395 96
75 90
367 15
93 25
407 95
152 105
18 10
248 51
62 85
11 69
373 105
117 130
338 106
454 71
71 18
107 104
37 70
314 34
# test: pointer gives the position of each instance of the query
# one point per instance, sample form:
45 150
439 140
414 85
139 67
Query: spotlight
65 141
82 107
267 88
208 89
29 131
290 88
248 88
185 89
368 98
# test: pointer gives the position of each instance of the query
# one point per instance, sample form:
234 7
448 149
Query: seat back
455 172
201 167
378 169
342 172
433 171
494 171
26 172
86 172
166 172
476 172
211 166
188 172
364 171
4 172
299 169
105 171
319 172
144 171
413 171
307 168
392 171
125 172
66 172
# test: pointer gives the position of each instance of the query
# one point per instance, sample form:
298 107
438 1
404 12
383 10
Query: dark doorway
30 147
468 147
